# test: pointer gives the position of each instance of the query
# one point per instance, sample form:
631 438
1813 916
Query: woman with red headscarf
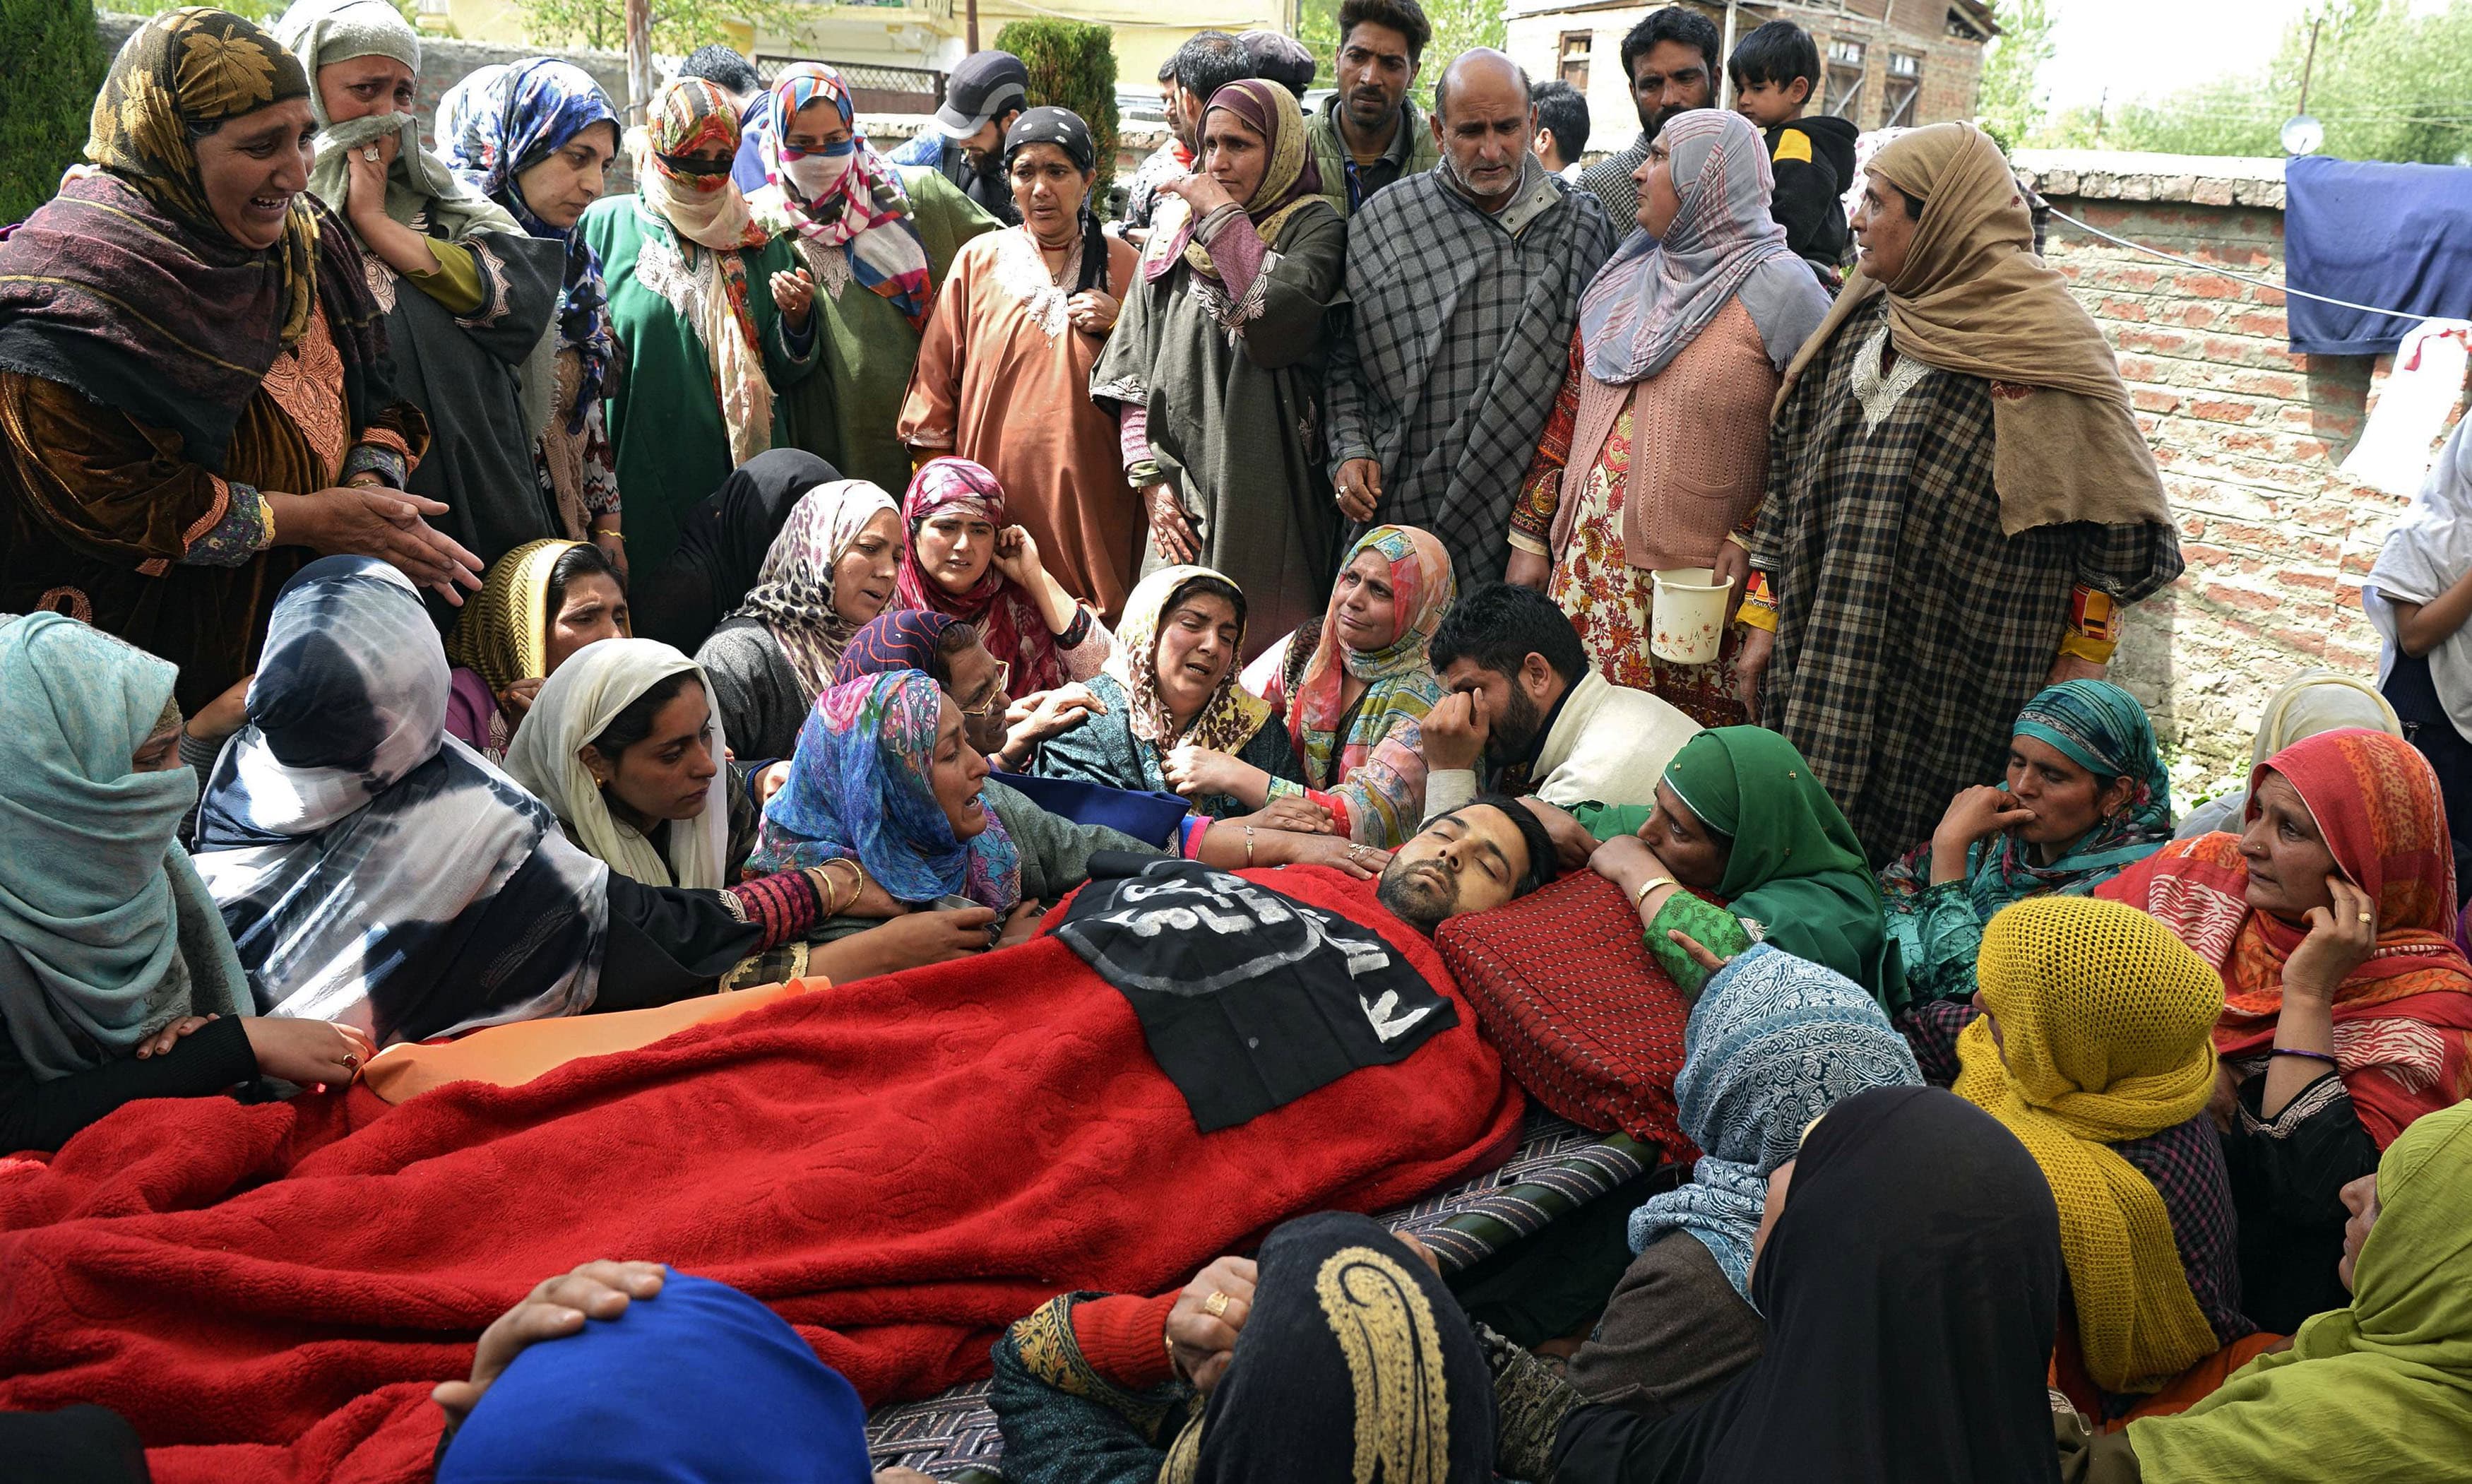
959 557
2347 1008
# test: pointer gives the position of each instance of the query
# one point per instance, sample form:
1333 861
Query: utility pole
1725 75
972 26
2311 65
639 60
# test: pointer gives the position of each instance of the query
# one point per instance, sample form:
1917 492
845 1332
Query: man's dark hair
1562 113
1544 862
1167 68
724 68
1498 625
1674 23
1776 52
1404 16
1209 61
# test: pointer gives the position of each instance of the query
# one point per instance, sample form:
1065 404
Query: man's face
1374 74
984 145
1514 705
1669 78
1186 115
1466 861
1487 131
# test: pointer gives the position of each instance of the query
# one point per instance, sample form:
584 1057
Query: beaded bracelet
2312 1056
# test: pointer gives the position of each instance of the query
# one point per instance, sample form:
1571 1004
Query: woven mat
1558 1168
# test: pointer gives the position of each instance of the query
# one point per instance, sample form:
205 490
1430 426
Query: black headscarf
722 545
1345 1318
1912 1288
1064 129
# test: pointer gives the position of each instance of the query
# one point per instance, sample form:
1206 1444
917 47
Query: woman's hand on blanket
1021 925
555 1309
1171 525
1293 813
917 938
168 1037
1201 1342
1693 946
311 1053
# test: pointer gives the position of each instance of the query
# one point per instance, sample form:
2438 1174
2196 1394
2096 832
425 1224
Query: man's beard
1415 895
1653 124
1514 732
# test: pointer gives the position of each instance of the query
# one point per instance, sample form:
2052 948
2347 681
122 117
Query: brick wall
2249 437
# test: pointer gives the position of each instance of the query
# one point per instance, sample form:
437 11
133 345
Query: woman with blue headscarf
2086 795
1774 1043
538 137
117 980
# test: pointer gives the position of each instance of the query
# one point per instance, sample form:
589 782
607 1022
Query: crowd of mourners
448 595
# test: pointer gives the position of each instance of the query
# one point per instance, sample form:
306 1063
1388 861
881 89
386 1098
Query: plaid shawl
1462 333
123 287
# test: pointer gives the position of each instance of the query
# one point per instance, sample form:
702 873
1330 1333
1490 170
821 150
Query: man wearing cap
981 98
1282 59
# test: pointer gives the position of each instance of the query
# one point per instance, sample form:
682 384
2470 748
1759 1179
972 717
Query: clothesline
2190 262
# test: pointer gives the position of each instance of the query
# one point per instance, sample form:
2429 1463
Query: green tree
2387 84
45 106
679 26
1457 26
1072 65
2011 100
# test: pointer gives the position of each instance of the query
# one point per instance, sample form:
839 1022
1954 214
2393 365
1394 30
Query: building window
1845 78
1573 57
1905 87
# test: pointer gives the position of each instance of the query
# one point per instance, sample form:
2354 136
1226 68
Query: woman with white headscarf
2311 701
2418 595
469 296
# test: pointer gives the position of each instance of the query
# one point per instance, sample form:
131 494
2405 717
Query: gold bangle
598 531
1639 898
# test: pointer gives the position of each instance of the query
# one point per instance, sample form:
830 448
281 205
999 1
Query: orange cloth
509 1056
2200 1380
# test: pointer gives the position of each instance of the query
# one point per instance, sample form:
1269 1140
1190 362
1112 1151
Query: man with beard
1466 282
1482 854
984 94
1526 704
1368 134
1671 59
1206 63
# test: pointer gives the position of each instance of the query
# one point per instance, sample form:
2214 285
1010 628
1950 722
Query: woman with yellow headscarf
2090 1039
1959 499
1217 361
539 604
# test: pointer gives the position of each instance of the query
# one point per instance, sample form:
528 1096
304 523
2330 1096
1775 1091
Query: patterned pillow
1585 1018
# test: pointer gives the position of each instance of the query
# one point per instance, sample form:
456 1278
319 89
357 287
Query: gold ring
1216 1305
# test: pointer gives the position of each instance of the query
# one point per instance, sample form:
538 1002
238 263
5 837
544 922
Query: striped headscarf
899 638
864 213
793 597
503 635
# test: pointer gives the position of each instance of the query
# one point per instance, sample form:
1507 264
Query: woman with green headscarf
117 978
2086 798
2382 1390
1743 847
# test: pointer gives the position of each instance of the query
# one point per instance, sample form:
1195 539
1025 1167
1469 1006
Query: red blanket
900 1166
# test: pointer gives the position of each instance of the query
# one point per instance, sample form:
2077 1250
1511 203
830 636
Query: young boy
1776 70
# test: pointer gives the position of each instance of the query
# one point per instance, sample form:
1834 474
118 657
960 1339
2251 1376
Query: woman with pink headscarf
1656 452
961 558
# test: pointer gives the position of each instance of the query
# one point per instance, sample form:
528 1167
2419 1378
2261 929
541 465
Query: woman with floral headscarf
2085 797
2347 1007
878 240
471 298
194 382
1656 452
1217 359
828 573
1355 686
538 137
714 317
961 558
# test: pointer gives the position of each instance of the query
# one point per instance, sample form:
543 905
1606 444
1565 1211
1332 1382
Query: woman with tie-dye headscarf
878 240
716 317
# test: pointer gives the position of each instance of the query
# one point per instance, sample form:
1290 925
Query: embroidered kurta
102 519
1233 394
1004 380
677 451
1910 631
1460 334
845 414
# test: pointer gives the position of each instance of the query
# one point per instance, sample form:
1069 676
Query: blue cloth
923 147
1151 817
699 1384
1774 1043
2396 236
861 788
747 166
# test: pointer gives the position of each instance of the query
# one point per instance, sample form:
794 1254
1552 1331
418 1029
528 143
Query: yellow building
929 34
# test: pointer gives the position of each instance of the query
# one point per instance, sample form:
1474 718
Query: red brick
2223 410
2240 598
2148 399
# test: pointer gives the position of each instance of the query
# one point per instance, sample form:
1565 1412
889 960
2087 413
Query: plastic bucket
1687 614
